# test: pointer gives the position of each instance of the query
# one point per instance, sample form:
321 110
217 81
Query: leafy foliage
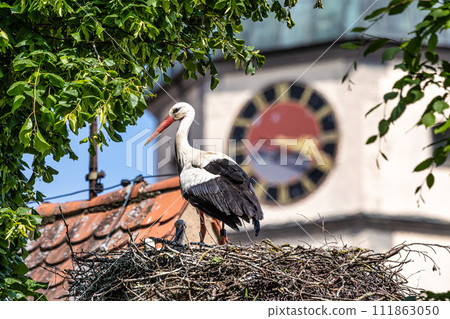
432 296
66 63
15 228
422 67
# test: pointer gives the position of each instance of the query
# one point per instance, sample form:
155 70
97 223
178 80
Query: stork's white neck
183 149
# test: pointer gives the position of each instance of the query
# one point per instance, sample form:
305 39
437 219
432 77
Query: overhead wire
123 182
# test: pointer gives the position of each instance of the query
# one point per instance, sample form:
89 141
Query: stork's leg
202 226
223 235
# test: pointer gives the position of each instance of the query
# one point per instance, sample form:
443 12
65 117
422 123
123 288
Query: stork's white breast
190 176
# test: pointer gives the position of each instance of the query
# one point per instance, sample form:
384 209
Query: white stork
212 182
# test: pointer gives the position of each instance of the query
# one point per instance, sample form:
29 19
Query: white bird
212 182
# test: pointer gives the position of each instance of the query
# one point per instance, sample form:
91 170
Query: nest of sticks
258 271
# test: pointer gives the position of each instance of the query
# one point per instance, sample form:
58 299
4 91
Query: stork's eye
175 110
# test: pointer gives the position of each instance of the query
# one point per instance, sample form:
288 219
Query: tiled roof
151 212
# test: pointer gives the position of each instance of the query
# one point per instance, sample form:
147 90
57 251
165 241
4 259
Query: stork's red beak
164 124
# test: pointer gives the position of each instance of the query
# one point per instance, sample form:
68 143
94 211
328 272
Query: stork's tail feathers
256 226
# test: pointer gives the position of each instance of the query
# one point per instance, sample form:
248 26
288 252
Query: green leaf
133 100
73 123
18 99
350 46
4 35
401 66
414 95
442 127
16 88
390 96
40 143
430 180
375 45
345 77
55 80
109 62
439 106
25 132
70 93
22 64
118 89
433 57
371 139
439 13
76 36
214 82
398 6
250 68
424 165
358 29
116 137
20 268
432 42
12 281
373 109
217 259
428 119
167 79
99 31
439 156
389 53
37 219
446 66
383 127
375 13
397 111
136 69
91 148
413 46
23 211
49 56
50 101
422 25
93 89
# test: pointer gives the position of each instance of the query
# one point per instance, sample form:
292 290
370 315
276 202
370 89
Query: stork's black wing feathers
228 169
237 176
228 197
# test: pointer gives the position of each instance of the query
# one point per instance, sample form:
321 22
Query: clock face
285 138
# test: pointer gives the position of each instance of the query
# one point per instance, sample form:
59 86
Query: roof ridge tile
48 210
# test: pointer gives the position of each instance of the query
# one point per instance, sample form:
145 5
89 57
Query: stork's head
181 110
177 112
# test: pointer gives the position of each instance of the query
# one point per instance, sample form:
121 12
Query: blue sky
112 160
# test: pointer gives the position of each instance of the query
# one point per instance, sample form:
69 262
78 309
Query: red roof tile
52 235
151 211
48 274
36 258
58 255
85 228
106 223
